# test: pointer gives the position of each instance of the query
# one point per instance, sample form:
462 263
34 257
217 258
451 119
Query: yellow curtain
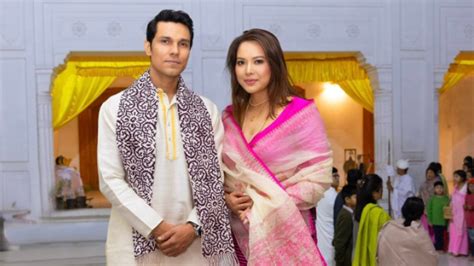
463 65
360 91
341 68
85 76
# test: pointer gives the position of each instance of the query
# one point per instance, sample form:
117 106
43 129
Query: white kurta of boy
172 195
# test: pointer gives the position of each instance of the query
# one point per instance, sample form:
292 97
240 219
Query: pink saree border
296 104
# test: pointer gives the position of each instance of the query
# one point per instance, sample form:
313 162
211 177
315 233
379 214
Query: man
402 188
325 220
158 161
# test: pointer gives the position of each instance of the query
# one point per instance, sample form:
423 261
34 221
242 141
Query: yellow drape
342 68
463 65
85 76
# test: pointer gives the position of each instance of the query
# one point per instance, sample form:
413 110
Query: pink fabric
285 169
458 243
427 227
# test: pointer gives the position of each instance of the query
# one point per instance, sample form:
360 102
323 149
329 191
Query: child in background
435 214
458 244
469 214
342 241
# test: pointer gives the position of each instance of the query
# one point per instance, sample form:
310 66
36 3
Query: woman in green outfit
370 218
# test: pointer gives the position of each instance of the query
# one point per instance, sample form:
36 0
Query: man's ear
147 47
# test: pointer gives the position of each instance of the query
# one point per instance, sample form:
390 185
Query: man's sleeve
112 182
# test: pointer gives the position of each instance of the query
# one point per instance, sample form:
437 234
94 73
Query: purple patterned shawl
136 138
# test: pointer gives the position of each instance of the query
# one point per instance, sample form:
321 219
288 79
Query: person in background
435 214
404 241
439 173
369 218
469 214
342 242
425 192
69 187
402 188
458 243
466 167
353 178
470 173
468 160
324 220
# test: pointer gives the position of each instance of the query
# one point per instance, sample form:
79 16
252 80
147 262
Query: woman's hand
238 202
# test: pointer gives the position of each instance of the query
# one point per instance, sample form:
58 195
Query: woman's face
430 175
378 194
471 188
252 68
457 179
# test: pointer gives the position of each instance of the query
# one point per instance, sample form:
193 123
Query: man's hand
176 240
389 186
162 228
238 202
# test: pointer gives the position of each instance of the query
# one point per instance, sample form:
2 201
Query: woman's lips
250 82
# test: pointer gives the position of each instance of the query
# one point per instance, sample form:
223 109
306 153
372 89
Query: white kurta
172 195
403 188
325 225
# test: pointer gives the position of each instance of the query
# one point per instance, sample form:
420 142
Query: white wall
410 43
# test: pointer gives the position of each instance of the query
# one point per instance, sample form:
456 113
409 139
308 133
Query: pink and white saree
285 169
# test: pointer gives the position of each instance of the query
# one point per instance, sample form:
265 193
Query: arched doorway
456 109
340 85
79 88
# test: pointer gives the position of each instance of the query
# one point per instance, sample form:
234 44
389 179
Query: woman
404 241
369 219
425 192
458 243
276 157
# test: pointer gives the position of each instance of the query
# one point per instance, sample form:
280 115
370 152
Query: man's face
169 50
401 171
335 180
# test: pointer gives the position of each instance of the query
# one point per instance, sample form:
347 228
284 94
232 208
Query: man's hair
347 192
438 183
168 15
334 170
353 176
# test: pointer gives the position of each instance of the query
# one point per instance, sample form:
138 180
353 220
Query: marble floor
92 254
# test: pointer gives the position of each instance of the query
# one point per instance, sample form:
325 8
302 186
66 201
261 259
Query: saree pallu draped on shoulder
285 169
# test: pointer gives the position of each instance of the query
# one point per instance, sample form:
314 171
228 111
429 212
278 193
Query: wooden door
368 140
88 128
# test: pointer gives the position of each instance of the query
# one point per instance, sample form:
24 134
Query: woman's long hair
279 87
412 210
371 183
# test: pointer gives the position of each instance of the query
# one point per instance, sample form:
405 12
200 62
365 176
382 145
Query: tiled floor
92 254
